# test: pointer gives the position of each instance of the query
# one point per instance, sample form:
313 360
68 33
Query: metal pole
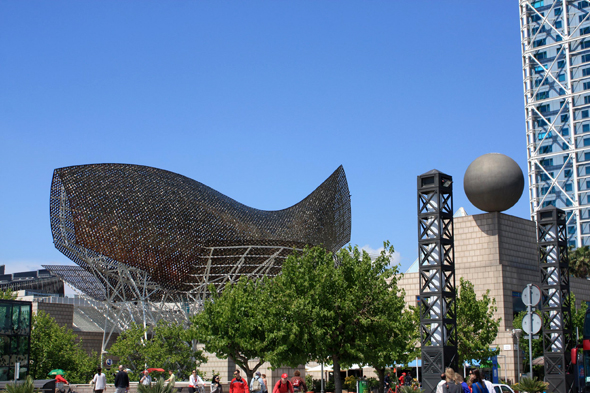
517 357
505 370
322 388
530 314
417 372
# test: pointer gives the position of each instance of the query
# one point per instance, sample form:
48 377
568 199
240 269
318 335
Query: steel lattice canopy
180 233
79 278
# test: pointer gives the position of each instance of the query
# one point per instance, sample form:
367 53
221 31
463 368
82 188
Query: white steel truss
555 38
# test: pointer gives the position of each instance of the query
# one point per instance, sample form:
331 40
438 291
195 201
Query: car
501 388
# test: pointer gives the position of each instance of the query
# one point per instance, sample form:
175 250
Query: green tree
476 326
54 346
8 294
579 261
236 323
332 307
168 345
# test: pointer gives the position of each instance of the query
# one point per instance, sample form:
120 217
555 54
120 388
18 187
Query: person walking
61 383
283 385
121 381
216 385
387 382
99 381
265 383
298 383
451 386
238 385
195 383
460 381
146 378
257 384
408 379
443 381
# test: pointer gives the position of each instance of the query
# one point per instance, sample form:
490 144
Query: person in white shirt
99 381
146 379
489 386
443 381
195 383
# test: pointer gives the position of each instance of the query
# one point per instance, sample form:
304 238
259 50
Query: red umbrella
156 369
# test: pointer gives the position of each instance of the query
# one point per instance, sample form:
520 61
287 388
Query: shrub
158 387
25 387
530 385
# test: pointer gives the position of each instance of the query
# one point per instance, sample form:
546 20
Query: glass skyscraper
555 36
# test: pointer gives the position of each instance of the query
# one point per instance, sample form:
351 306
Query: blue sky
260 100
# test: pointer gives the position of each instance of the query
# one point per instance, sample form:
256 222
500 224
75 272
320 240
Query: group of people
259 384
453 382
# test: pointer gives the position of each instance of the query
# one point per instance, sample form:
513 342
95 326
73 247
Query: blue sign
109 362
495 369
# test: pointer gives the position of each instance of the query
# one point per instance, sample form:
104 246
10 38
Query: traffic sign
533 298
109 362
526 324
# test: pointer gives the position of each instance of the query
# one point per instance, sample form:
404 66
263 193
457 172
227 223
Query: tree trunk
337 378
381 375
249 375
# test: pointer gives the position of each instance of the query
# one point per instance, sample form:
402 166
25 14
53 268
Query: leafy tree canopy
168 346
579 261
336 309
54 346
476 326
237 323
8 294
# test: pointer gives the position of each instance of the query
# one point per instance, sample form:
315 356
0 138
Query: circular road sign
533 298
109 362
526 324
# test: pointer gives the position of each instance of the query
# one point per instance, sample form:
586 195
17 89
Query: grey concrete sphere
493 182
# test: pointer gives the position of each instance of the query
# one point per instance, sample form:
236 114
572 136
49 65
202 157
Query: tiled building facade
498 252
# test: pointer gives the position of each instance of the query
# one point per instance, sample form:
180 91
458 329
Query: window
538 3
585 30
540 42
585 44
547 162
585 114
548 203
558 38
571 230
587 142
586 156
557 11
581 18
542 95
544 190
568 202
567 173
586 85
568 187
558 25
583 4
587 100
543 134
564 119
586 128
585 58
565 131
544 108
561 91
536 17
561 63
542 123
586 72
561 77
539 69
541 55
545 177
547 149
564 146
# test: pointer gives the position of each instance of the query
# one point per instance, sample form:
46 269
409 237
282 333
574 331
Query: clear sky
260 100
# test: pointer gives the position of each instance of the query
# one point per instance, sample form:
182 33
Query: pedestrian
121 381
257 384
443 381
451 386
460 381
489 385
60 383
216 385
408 379
172 378
478 385
238 385
195 383
298 383
99 381
146 378
387 382
283 385
265 383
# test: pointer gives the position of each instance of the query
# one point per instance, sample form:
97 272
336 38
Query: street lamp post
517 333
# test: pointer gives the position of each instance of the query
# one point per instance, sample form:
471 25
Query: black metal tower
555 291
438 324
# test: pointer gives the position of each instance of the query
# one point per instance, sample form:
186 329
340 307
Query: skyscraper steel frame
555 40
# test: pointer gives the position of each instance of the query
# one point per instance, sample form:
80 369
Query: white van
501 388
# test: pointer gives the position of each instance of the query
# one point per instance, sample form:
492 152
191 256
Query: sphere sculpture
493 182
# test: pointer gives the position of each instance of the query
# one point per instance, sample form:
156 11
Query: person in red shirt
283 385
60 382
238 385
